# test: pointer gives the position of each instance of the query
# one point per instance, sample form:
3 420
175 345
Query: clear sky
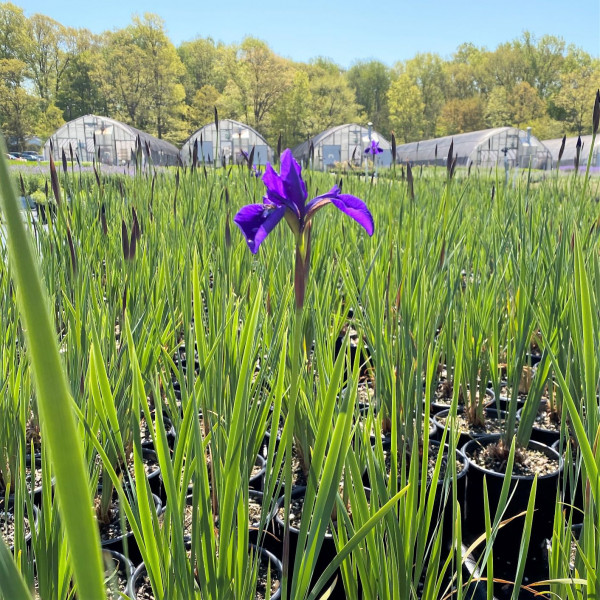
387 30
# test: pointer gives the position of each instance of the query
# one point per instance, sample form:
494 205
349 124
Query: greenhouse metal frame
343 145
108 141
501 146
234 137
568 158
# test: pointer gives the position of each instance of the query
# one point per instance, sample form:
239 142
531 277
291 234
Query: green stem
295 356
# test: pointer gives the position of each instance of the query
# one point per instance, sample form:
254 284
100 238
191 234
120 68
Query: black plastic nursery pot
34 491
125 543
439 406
276 572
257 481
504 403
464 437
5 519
117 566
571 483
509 536
442 507
543 434
170 434
327 553
365 355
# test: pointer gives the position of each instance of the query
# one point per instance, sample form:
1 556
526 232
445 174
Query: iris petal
354 207
256 221
291 177
276 192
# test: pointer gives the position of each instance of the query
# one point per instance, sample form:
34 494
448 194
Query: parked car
32 156
15 156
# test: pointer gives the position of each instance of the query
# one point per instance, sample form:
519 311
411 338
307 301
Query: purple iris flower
286 197
373 148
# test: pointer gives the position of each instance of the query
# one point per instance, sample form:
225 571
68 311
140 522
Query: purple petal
256 221
276 192
291 176
356 209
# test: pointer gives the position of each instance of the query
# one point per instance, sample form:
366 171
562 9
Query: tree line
50 74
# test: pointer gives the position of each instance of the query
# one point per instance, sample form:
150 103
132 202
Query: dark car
32 156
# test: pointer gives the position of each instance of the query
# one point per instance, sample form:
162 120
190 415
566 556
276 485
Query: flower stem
296 357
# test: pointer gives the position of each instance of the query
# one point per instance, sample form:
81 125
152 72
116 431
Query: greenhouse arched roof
111 141
485 148
234 139
568 157
343 144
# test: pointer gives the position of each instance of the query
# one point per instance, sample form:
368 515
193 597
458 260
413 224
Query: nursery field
394 396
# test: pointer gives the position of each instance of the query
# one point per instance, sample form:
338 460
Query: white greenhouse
233 139
486 148
568 158
344 144
109 141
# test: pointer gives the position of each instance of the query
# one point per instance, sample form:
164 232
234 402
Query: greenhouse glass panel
342 146
228 143
570 152
110 142
488 148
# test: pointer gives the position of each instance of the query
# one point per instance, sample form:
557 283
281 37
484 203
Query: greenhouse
110 141
568 158
487 148
233 139
343 145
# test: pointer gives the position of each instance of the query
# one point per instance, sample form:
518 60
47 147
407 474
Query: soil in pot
487 458
493 423
146 436
546 428
7 525
328 550
443 396
139 587
117 572
112 537
33 480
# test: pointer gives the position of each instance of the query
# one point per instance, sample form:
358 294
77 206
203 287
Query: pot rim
491 438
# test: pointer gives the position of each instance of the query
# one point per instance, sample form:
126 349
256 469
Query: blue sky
345 31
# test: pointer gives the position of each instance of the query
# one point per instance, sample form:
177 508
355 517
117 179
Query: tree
13 31
291 115
544 59
461 116
261 78
202 58
202 109
80 92
526 104
165 70
47 55
19 111
576 96
504 67
139 75
406 109
427 73
371 82
332 100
